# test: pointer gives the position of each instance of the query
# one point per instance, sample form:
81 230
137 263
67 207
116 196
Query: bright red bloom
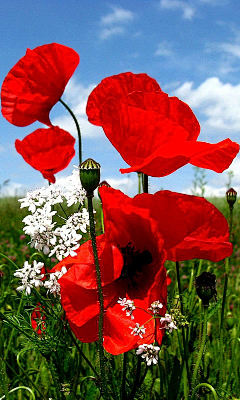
47 150
36 83
140 234
38 320
155 134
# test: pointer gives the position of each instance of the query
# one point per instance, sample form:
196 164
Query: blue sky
191 47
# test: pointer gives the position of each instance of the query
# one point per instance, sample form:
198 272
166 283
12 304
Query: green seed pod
229 320
89 175
231 196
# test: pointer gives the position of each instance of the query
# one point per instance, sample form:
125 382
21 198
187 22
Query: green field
53 365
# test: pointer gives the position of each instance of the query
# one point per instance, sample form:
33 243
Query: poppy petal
47 150
36 83
155 134
117 86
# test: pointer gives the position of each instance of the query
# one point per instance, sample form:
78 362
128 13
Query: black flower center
134 261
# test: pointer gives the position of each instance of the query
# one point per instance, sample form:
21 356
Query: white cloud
233 49
2 149
13 189
164 49
114 22
217 101
114 30
118 15
187 9
76 96
126 184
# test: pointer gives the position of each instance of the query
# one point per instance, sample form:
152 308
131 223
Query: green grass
53 367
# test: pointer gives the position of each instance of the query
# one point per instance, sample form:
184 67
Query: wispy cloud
118 15
218 102
187 9
113 30
114 23
164 49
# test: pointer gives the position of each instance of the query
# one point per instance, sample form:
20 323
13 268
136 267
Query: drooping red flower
36 83
47 150
140 234
155 134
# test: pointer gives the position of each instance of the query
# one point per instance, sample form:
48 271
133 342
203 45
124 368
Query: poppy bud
89 175
206 287
231 195
230 320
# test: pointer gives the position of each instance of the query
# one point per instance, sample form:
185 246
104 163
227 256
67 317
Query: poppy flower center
134 261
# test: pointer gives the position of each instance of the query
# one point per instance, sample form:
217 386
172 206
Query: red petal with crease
117 86
47 150
36 83
155 134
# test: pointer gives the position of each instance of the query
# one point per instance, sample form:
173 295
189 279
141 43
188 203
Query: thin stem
185 357
20 387
100 293
139 182
124 370
145 183
13 330
135 386
203 341
224 293
78 129
207 386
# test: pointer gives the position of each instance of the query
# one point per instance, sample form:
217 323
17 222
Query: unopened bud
231 195
89 175
206 287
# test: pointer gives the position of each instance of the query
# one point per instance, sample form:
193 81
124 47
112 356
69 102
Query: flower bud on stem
90 178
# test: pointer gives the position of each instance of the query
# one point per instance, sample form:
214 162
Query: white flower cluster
52 284
170 324
30 276
63 240
149 353
128 306
138 330
156 307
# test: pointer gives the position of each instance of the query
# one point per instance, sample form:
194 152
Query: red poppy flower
47 150
155 134
36 83
38 320
139 233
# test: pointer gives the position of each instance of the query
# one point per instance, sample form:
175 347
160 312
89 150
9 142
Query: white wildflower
30 276
128 306
138 330
52 284
168 322
149 353
33 199
156 307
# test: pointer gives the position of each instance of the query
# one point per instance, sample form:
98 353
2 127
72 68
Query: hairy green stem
78 129
101 302
203 341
